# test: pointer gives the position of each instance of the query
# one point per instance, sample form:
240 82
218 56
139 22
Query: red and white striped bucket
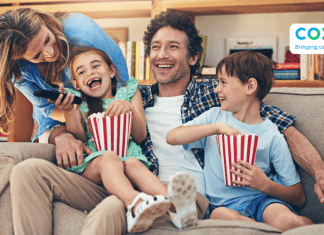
111 133
233 148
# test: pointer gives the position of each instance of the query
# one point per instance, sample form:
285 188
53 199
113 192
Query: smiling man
169 56
174 48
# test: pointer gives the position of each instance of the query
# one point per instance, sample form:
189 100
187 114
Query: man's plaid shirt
198 98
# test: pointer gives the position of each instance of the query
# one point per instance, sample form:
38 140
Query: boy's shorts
253 209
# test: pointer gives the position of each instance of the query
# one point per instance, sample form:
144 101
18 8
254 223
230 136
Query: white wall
218 28
136 26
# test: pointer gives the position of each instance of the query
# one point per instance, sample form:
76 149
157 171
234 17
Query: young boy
273 183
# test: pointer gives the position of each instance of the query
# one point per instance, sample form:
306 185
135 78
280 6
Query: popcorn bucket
111 133
233 148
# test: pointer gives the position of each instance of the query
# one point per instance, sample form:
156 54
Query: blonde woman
34 55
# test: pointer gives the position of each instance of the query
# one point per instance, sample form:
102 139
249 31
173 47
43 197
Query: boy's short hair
250 64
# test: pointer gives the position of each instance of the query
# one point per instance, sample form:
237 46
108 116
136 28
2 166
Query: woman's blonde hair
95 105
17 29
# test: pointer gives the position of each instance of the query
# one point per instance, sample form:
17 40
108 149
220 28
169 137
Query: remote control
53 95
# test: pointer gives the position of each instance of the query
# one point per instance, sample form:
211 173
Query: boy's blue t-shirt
273 157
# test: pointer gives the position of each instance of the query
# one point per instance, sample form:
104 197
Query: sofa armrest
22 151
10 155
13 153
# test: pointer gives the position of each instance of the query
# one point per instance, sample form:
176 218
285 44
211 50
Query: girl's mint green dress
134 150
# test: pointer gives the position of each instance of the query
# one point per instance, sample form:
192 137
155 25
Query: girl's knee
133 163
110 154
108 159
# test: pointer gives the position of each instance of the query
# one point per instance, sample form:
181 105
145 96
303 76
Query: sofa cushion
10 155
309 229
307 104
6 165
163 226
67 221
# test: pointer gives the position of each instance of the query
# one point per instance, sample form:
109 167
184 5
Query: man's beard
182 71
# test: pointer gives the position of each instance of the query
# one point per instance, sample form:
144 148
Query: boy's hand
253 176
227 130
118 107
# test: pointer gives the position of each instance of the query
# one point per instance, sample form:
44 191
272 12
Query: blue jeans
252 209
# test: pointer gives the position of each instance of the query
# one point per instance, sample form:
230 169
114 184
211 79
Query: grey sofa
306 103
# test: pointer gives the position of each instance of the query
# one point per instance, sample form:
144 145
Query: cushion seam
301 94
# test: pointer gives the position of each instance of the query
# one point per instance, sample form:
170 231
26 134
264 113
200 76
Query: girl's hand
66 105
227 130
118 107
253 176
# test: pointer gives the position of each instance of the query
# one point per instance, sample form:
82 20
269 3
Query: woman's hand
66 105
118 107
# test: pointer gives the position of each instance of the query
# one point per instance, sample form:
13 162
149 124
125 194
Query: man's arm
305 154
69 151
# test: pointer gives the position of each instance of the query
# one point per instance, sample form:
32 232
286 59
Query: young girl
95 76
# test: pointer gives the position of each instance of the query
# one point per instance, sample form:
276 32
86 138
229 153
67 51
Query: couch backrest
307 104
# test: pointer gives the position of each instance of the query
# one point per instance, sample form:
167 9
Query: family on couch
174 48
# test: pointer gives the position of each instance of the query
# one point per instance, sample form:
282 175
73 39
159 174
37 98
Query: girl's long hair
17 29
95 105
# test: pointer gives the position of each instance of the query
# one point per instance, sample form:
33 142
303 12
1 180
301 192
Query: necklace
41 69
46 72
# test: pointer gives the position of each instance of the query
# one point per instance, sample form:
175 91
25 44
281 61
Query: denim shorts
253 209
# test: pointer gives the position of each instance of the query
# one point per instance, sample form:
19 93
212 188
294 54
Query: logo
307 38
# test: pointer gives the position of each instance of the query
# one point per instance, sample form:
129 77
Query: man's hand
69 151
305 154
319 189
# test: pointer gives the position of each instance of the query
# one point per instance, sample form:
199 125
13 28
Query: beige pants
36 183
